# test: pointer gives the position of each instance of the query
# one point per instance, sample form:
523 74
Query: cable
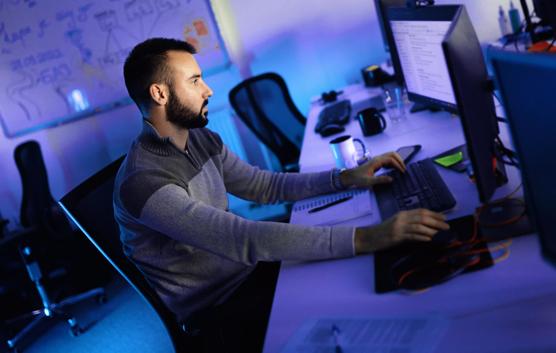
443 264
455 258
551 45
506 152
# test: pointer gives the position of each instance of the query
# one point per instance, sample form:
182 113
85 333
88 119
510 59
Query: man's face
188 93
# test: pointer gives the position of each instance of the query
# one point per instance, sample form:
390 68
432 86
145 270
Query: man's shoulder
208 136
138 179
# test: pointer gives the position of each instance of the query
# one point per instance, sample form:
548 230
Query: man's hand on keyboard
414 225
364 175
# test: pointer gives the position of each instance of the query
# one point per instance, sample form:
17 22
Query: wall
316 45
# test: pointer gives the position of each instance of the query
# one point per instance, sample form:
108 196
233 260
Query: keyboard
419 187
337 113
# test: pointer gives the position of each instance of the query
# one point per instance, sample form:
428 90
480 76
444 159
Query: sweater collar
151 140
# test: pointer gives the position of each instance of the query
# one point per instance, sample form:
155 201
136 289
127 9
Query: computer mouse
445 237
331 129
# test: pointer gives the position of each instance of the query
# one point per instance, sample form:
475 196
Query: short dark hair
146 64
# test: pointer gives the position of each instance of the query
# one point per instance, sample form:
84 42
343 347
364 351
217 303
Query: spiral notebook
358 206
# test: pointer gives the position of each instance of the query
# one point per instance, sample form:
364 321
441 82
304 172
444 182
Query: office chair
90 207
45 225
264 104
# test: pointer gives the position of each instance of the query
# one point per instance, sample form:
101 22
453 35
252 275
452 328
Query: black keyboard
419 187
337 113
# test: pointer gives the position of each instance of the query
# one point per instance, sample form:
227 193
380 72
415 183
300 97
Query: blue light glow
78 101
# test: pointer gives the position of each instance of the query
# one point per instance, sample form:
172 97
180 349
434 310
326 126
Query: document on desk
358 204
368 335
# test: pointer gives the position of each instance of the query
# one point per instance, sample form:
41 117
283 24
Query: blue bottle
515 19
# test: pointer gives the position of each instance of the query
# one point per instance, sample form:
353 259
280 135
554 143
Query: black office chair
264 104
41 242
90 207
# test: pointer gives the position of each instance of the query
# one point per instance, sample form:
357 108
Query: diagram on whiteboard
63 60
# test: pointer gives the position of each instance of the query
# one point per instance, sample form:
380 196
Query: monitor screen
469 77
417 35
526 83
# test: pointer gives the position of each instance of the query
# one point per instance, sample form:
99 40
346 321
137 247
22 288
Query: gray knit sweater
172 209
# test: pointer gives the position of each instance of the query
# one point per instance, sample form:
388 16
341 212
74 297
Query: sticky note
450 160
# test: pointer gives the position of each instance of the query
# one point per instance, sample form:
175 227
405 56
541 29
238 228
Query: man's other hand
414 225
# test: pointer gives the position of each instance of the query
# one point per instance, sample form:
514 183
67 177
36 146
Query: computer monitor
381 7
546 11
417 34
469 78
527 83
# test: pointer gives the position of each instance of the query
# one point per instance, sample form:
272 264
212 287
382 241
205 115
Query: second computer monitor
417 34
469 77
527 83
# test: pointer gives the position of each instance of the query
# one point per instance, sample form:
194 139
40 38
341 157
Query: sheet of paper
358 206
368 335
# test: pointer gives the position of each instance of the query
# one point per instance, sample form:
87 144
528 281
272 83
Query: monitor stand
507 217
419 107
504 219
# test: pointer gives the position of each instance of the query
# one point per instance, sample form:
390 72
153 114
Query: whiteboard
62 60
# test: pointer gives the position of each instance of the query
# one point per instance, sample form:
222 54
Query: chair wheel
75 331
101 299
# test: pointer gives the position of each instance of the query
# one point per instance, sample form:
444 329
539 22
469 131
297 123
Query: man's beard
184 117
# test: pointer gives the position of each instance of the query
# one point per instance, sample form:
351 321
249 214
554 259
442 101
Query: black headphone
419 3
330 96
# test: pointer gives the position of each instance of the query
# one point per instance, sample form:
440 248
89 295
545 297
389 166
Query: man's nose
208 91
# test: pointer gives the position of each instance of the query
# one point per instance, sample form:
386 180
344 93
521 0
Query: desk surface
506 308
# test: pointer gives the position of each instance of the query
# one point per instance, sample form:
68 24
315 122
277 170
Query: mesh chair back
264 104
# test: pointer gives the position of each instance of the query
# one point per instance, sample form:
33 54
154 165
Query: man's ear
159 93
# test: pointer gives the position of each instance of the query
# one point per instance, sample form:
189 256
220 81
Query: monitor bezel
381 8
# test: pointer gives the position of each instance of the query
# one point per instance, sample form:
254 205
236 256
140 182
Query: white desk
510 307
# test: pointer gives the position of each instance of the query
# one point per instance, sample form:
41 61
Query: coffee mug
344 151
371 121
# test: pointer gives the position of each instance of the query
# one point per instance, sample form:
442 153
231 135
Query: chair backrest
36 199
90 207
264 104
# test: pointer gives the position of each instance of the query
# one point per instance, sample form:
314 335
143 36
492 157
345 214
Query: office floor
124 323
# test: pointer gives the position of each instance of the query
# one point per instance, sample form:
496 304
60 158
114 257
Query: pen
330 204
336 333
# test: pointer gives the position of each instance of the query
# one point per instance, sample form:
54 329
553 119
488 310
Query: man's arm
252 183
172 212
